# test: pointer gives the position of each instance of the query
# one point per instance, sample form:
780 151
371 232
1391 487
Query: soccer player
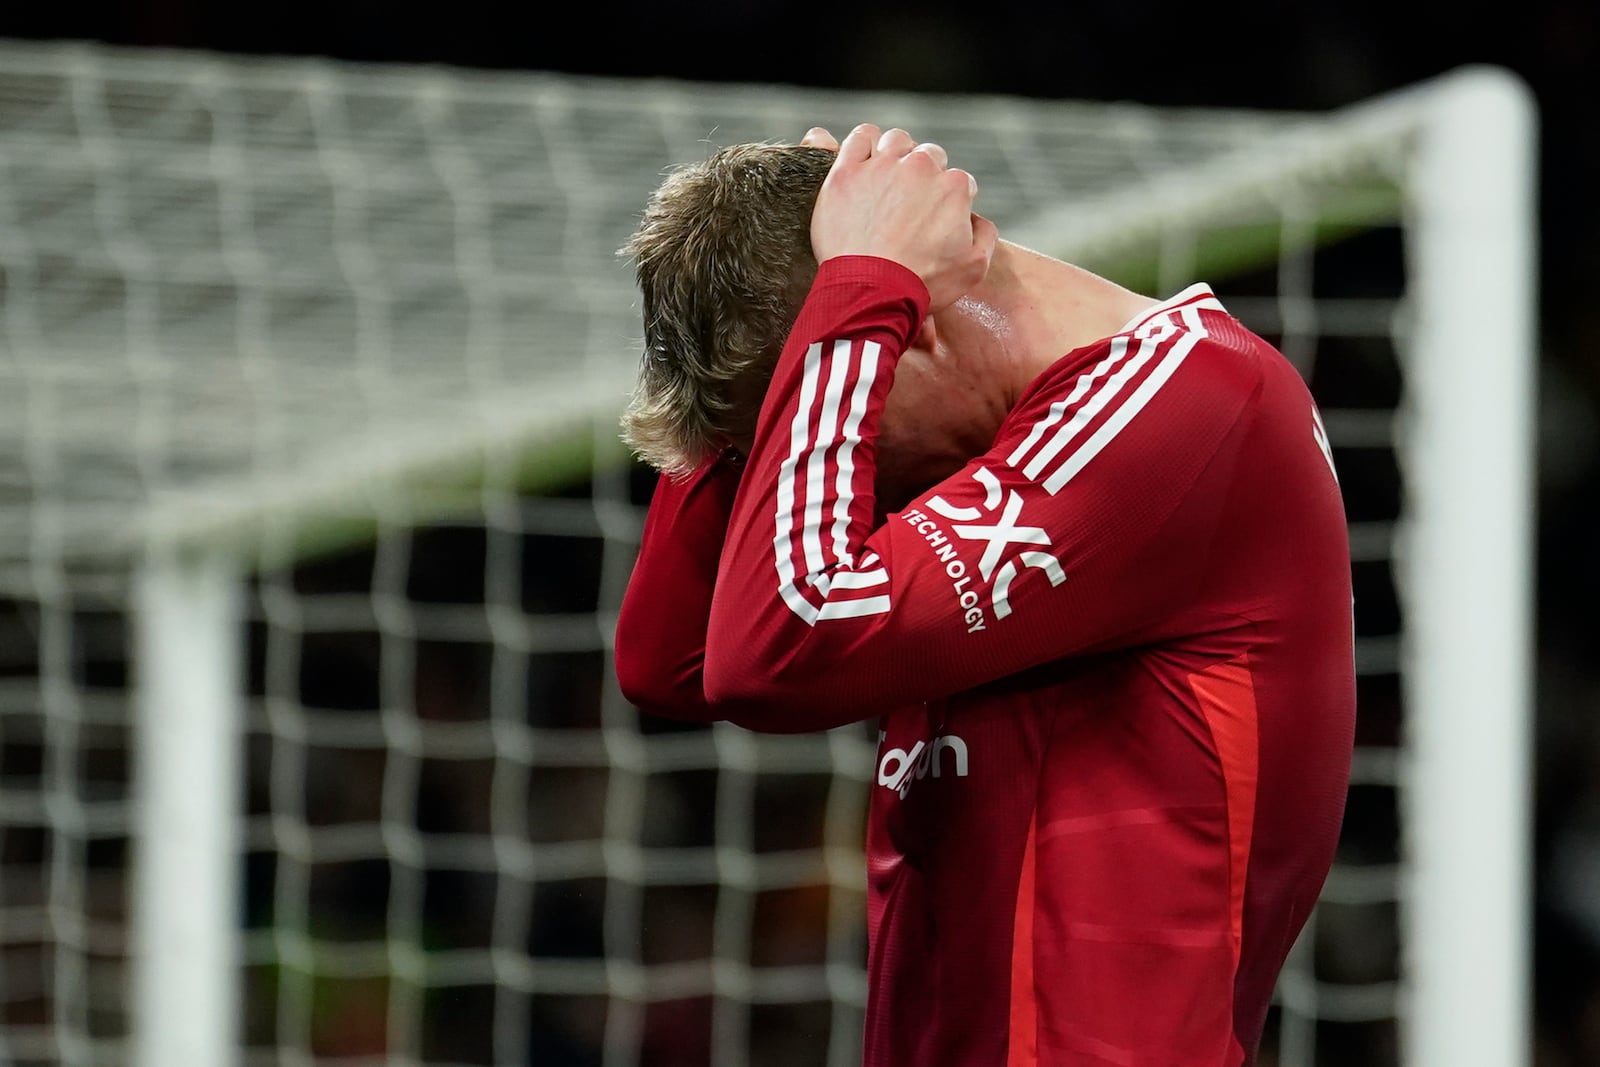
1080 551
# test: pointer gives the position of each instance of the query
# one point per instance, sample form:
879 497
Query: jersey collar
1199 294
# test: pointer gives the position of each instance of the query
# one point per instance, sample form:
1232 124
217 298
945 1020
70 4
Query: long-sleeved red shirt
1112 659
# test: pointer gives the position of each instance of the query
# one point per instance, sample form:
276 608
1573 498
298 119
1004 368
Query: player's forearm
661 628
798 588
660 646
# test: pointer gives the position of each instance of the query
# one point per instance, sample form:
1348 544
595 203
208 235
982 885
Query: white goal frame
1463 567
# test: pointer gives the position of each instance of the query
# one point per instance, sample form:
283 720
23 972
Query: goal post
1466 560
312 503
189 705
1466 179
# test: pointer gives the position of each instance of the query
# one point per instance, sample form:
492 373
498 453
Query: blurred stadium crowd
1257 54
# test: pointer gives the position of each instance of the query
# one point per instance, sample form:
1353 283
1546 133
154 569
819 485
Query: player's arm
660 643
1087 535
991 572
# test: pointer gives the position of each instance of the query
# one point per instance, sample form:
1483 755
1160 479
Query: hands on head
890 197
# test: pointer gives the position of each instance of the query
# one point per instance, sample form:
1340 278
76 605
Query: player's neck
1040 308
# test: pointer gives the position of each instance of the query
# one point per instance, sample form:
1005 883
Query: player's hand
890 197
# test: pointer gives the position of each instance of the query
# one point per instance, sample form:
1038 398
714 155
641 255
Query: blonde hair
723 260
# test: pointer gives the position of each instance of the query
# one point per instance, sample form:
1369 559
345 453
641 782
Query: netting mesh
474 846
367 325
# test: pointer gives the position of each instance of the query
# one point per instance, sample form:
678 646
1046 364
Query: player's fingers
934 152
962 181
857 144
817 137
894 142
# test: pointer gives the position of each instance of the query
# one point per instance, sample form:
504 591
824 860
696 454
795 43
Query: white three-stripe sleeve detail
1108 391
814 444
1119 350
799 438
845 579
1198 295
854 609
1135 403
817 461
1051 417
851 435
858 579
1140 328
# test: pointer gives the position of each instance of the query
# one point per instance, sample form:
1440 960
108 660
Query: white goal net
313 527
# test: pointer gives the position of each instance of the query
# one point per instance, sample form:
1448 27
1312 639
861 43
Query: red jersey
1112 656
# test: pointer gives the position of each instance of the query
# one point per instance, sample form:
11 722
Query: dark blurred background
1255 54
